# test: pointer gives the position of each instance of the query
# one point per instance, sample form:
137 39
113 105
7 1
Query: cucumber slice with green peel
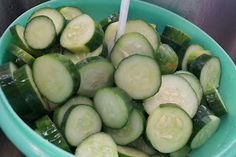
114 106
130 152
171 43
183 152
70 12
168 128
131 131
47 129
28 90
167 59
60 112
160 155
130 44
56 17
114 17
147 31
56 77
96 72
82 34
110 36
193 81
139 76
215 102
174 89
20 53
99 145
79 122
40 33
188 53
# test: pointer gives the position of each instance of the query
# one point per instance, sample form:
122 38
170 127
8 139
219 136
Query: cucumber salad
141 95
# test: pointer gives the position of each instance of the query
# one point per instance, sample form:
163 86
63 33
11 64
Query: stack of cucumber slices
142 95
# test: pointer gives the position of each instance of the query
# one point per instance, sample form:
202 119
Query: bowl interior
223 143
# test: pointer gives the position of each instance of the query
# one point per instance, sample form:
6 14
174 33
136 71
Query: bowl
221 144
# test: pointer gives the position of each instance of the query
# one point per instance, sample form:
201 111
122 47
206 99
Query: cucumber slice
147 30
193 81
131 131
70 12
216 103
139 76
28 90
96 72
82 35
56 17
171 43
167 59
99 145
183 152
168 128
40 33
174 89
114 106
60 112
56 77
79 122
20 53
187 57
130 152
114 17
47 129
110 36
129 44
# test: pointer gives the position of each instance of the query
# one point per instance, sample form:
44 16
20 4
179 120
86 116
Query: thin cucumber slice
47 129
99 145
110 36
130 152
54 15
139 76
40 33
171 43
70 12
168 128
167 59
79 122
114 106
20 53
96 72
114 17
60 112
188 53
182 152
215 102
147 30
82 35
131 131
177 90
129 44
56 77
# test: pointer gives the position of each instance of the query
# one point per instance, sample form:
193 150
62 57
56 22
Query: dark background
215 17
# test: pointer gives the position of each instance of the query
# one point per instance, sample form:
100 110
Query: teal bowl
223 142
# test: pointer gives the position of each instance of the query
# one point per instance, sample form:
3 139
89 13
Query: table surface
215 17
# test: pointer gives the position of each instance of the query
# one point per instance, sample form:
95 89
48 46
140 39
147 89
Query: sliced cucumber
82 35
99 145
131 131
96 72
47 129
171 43
56 77
130 152
56 17
114 106
40 33
168 128
110 36
167 59
114 17
188 53
146 30
182 152
216 103
60 112
129 44
79 122
177 90
20 53
139 76
70 12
